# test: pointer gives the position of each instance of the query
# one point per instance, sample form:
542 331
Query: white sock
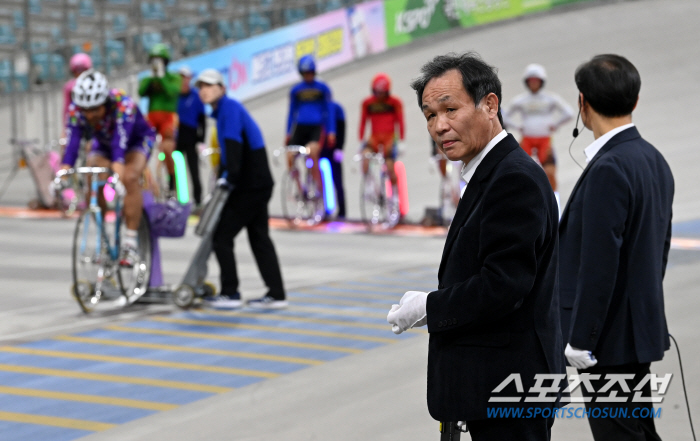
130 239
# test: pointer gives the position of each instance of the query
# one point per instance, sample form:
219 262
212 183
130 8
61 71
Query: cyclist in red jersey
385 113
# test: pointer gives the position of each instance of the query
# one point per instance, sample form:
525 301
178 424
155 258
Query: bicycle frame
307 205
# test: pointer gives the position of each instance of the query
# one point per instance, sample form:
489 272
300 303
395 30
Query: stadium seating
293 15
258 23
132 27
7 35
86 8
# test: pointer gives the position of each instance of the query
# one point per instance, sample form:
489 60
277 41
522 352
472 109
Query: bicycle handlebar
81 170
294 149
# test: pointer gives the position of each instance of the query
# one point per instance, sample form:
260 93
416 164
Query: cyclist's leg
389 159
98 158
527 145
366 149
165 125
315 149
134 165
548 161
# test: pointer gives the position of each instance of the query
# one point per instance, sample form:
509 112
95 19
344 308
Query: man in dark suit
615 234
495 312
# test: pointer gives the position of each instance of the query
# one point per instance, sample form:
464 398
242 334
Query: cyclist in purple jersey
121 139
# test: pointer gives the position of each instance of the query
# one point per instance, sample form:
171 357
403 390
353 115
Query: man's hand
409 313
579 358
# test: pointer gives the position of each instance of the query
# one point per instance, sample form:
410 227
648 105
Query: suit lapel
473 193
621 137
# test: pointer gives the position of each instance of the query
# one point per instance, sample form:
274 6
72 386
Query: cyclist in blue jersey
191 128
245 171
122 140
311 120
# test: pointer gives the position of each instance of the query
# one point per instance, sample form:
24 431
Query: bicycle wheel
133 280
315 206
293 205
371 200
390 206
93 275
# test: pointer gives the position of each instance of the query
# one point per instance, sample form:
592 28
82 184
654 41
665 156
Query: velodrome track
329 368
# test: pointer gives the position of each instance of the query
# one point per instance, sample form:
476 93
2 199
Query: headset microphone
575 132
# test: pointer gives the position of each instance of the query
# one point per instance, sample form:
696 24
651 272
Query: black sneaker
267 302
224 301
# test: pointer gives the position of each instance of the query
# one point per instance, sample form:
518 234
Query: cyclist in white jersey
541 114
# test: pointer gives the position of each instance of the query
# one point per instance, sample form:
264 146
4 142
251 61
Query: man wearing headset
614 239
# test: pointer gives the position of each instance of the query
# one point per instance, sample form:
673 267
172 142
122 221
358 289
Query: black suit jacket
496 309
615 234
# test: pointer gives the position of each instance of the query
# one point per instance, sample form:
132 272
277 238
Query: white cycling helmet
90 90
535 71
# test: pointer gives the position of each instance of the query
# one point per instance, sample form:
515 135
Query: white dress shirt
598 144
469 168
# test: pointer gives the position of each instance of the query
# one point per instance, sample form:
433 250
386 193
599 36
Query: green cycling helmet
159 50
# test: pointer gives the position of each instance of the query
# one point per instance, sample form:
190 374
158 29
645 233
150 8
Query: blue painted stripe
11 431
101 413
101 388
164 355
261 321
312 354
281 335
159 373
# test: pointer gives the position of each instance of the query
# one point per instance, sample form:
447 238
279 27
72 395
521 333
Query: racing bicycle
99 278
376 202
302 203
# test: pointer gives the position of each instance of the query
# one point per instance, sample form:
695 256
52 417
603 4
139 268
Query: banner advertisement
407 20
260 64
367 28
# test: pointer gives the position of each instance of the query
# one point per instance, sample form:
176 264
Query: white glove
579 358
338 155
409 313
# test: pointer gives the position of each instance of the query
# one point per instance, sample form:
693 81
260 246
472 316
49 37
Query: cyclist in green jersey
163 91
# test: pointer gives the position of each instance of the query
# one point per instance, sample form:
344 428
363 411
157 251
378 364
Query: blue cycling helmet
307 64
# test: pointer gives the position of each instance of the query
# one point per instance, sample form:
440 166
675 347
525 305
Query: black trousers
247 209
627 427
337 169
187 144
511 429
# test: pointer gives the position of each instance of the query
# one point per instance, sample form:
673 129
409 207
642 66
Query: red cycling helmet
381 83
